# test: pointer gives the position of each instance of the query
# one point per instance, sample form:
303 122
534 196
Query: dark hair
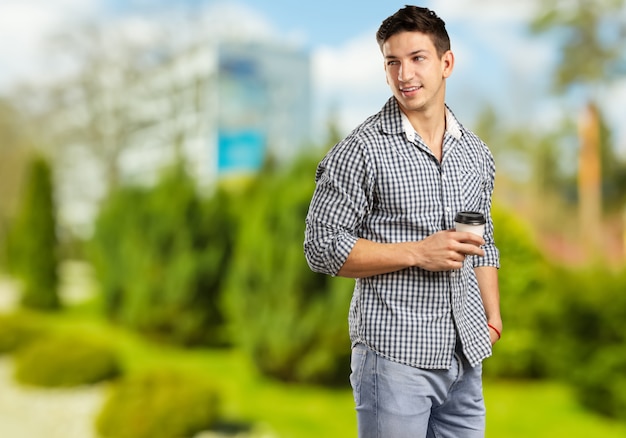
416 19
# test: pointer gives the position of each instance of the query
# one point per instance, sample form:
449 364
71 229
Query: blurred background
156 164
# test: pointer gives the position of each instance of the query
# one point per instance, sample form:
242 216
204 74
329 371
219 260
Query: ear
447 64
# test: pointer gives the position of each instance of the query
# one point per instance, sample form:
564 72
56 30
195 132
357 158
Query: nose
404 73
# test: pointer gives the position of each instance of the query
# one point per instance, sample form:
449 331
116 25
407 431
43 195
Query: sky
497 61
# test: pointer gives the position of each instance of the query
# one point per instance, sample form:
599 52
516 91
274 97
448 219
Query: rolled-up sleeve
326 250
492 255
337 208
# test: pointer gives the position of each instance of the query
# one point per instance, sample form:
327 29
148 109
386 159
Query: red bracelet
495 330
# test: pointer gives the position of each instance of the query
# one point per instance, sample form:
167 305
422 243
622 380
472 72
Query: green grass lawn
542 409
533 409
515 408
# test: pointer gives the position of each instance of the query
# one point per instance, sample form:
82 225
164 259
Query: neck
431 127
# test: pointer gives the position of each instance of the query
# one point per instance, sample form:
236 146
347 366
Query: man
425 308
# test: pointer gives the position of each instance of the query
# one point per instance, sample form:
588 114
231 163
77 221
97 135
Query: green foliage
587 342
15 154
590 39
64 360
560 322
522 277
160 255
291 321
163 404
613 170
601 382
17 330
33 241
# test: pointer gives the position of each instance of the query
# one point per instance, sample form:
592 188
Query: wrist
495 321
495 329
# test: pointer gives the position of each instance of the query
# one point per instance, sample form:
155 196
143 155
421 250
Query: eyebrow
415 52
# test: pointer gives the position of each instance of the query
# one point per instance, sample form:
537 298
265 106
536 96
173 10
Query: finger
472 238
469 249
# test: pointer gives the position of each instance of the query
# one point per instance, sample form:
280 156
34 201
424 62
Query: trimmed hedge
17 330
158 404
66 360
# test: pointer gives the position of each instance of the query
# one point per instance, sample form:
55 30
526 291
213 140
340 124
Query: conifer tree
34 241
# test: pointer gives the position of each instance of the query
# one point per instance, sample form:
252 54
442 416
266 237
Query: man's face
415 74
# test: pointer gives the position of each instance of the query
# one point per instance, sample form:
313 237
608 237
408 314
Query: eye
419 58
392 62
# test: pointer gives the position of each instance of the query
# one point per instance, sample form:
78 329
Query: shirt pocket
473 186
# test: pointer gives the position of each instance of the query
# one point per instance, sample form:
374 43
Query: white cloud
484 11
351 66
614 112
24 27
351 79
494 61
236 20
27 27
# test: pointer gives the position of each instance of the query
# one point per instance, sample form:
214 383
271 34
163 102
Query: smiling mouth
407 90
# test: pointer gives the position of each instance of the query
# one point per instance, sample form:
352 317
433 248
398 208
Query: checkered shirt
382 183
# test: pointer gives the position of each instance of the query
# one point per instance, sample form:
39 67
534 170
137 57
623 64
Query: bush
560 322
18 330
600 383
33 241
160 256
587 342
522 277
290 321
158 404
64 360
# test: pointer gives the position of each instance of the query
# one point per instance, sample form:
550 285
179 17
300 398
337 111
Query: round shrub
62 361
158 404
17 330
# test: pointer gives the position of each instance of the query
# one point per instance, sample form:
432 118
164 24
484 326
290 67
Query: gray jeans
399 401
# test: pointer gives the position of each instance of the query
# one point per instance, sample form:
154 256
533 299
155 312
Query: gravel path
29 412
32 412
45 413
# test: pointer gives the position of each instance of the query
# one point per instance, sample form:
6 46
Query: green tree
522 277
591 37
534 171
33 240
613 173
160 255
15 154
291 321
584 316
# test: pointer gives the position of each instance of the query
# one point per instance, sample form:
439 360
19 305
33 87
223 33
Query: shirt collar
452 126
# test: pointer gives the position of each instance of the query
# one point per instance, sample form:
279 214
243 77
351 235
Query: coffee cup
470 221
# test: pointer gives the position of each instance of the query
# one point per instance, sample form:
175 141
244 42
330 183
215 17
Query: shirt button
448 209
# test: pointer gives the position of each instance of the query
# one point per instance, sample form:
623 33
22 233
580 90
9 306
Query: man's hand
442 251
446 250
